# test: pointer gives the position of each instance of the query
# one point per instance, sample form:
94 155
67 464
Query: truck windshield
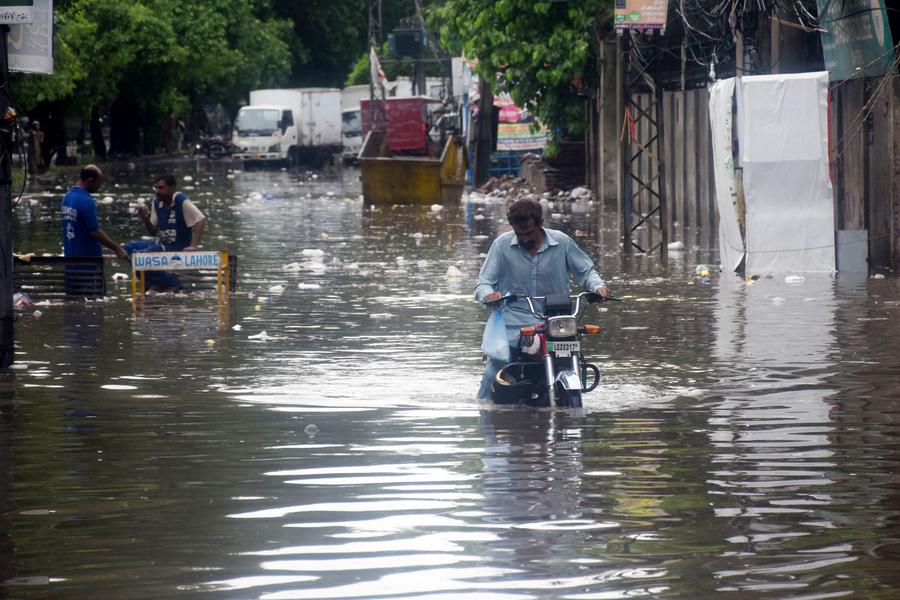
256 121
351 125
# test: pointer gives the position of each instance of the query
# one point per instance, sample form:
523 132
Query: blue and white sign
175 261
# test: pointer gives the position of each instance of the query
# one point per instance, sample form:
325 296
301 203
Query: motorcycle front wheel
569 399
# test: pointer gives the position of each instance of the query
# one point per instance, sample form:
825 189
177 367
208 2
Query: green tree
331 45
142 60
539 51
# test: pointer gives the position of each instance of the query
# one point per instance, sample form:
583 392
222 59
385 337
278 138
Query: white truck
295 125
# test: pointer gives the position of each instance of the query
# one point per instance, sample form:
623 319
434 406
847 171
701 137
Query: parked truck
296 125
351 133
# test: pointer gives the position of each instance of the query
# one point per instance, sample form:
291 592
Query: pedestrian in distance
177 224
36 140
81 232
534 261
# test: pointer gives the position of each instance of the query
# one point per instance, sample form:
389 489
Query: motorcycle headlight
562 327
274 147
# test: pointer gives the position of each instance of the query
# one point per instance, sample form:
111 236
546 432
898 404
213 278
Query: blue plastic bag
494 343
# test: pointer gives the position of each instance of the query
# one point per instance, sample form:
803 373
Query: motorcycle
214 147
548 368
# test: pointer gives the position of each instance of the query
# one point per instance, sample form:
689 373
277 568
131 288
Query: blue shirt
79 218
510 267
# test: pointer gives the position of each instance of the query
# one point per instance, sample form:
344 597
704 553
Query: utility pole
377 118
6 271
484 143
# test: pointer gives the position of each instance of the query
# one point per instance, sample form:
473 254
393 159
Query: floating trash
436 208
237 327
794 279
276 289
187 178
22 300
676 246
381 316
262 335
120 277
313 252
308 286
291 267
37 314
311 429
453 272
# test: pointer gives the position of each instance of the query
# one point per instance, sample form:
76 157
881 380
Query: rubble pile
510 187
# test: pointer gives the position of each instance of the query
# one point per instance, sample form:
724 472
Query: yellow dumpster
411 179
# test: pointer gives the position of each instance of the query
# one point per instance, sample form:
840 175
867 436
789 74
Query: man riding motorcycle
530 260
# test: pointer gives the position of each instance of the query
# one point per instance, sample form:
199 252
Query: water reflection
773 465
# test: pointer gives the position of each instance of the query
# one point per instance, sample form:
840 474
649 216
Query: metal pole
625 145
6 271
661 153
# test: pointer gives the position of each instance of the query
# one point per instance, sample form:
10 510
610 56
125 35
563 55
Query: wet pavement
742 443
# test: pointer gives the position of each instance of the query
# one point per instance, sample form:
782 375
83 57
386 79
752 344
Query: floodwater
742 444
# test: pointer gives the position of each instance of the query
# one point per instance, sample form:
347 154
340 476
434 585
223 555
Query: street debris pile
510 188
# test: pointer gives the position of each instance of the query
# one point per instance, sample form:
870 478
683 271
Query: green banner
857 38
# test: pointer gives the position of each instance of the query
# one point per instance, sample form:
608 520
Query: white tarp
731 246
787 189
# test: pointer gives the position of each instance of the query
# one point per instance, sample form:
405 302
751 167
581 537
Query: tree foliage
540 51
159 56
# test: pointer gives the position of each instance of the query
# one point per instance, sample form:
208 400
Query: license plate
564 349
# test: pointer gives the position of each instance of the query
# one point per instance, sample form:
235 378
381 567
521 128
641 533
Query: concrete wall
866 164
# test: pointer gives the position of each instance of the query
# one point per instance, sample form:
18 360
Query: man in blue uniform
81 232
176 222
530 260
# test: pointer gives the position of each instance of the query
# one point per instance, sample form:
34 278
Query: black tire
569 399
216 151
293 158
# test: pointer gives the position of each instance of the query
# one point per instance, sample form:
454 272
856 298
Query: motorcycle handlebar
591 298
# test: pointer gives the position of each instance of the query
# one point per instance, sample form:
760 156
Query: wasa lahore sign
641 14
175 261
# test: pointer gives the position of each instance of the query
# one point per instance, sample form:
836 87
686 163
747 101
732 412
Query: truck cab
264 132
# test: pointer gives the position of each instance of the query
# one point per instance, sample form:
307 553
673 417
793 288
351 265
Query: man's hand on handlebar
493 297
603 292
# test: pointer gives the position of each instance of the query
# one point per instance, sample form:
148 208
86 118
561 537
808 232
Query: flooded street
742 443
